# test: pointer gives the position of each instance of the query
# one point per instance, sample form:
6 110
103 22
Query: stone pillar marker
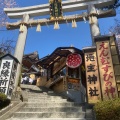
19 50
7 74
94 27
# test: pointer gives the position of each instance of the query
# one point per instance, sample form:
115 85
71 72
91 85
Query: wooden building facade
62 78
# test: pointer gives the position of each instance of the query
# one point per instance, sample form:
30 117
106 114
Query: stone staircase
43 104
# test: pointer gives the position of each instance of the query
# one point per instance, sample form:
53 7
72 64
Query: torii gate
26 13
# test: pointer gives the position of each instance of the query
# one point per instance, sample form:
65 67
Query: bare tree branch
116 28
7 46
5 4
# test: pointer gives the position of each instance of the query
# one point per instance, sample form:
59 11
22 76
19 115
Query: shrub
108 110
3 97
4 101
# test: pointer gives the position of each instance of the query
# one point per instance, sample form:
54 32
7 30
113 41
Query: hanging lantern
38 29
21 28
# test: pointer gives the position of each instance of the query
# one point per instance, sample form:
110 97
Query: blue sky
48 40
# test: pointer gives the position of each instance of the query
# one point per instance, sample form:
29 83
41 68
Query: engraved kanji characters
92 76
90 57
92 79
93 92
5 75
91 68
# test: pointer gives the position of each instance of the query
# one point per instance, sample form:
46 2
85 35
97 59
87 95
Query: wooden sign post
106 69
92 75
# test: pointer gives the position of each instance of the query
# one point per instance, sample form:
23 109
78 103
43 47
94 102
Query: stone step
53 109
34 90
63 104
38 95
46 97
33 87
42 94
50 92
49 119
47 100
49 115
44 104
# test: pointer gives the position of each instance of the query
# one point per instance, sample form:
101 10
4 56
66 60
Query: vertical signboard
5 74
107 77
92 76
12 80
55 9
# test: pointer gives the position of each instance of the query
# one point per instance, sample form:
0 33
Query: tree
6 46
116 28
114 6
5 4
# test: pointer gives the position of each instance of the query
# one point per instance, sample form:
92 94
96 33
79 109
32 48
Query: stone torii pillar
19 50
93 21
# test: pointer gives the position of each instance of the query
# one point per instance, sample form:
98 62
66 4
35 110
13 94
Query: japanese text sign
5 73
92 77
55 9
107 77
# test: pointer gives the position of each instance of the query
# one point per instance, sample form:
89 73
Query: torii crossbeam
67 6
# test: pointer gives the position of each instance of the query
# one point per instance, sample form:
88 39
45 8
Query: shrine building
62 71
